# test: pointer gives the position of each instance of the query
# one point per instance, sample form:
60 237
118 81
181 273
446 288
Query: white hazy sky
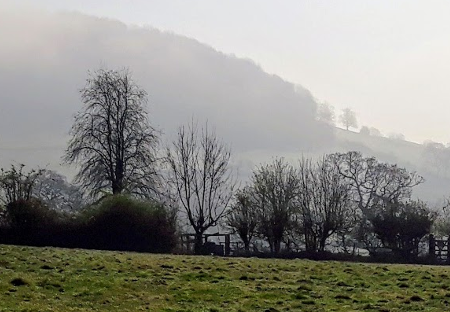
387 60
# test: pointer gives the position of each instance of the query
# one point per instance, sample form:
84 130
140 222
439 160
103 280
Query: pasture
52 279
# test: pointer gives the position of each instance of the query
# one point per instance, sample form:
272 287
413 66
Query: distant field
48 279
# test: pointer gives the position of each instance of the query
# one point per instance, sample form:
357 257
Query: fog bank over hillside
44 59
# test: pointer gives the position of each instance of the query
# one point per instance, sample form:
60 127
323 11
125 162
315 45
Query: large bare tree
324 201
199 169
112 141
242 217
275 190
371 183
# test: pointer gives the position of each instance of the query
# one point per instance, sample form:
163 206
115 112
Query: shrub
29 222
120 222
116 223
29 214
401 226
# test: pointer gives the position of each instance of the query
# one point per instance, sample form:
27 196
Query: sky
387 60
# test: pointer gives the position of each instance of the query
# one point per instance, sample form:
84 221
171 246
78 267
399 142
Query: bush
29 222
116 223
401 226
122 223
29 214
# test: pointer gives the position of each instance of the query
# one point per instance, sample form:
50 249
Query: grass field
48 279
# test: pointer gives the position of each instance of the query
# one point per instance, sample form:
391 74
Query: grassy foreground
51 279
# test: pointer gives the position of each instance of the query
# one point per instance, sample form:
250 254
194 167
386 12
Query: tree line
344 198
125 178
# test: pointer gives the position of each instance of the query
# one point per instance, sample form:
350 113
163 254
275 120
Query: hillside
260 115
404 153
185 79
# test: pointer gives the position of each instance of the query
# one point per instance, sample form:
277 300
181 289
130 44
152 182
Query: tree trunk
116 189
277 246
117 185
247 246
322 243
310 241
198 244
243 234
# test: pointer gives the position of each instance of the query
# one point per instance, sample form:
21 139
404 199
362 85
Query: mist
45 59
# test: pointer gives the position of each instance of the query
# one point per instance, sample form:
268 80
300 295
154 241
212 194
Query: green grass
51 279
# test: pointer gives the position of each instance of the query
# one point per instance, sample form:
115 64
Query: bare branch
112 141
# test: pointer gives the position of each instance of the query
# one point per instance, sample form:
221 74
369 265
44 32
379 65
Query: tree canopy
112 141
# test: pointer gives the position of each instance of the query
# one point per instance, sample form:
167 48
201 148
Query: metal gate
439 249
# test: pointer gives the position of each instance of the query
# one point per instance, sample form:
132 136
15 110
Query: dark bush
123 223
29 222
29 214
116 223
401 226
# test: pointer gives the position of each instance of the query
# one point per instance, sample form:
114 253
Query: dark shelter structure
222 248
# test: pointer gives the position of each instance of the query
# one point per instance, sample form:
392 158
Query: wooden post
188 245
447 259
227 245
432 247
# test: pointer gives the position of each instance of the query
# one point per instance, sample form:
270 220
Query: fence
439 249
222 248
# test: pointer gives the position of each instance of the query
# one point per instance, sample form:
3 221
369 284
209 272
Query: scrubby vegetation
128 192
47 279
117 222
122 223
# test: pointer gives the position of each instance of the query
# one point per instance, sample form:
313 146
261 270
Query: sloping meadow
51 279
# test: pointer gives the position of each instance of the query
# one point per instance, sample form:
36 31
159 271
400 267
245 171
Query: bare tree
324 202
242 217
325 113
372 182
56 192
441 225
16 184
112 141
199 169
348 119
435 158
275 188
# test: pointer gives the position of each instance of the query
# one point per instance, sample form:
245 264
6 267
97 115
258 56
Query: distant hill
402 152
410 155
44 60
184 78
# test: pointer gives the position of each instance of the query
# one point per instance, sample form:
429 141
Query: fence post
432 247
447 260
227 245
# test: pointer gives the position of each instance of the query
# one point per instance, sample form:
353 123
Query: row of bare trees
302 206
116 151
343 196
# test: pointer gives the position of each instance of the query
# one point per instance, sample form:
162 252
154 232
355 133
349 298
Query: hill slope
44 60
